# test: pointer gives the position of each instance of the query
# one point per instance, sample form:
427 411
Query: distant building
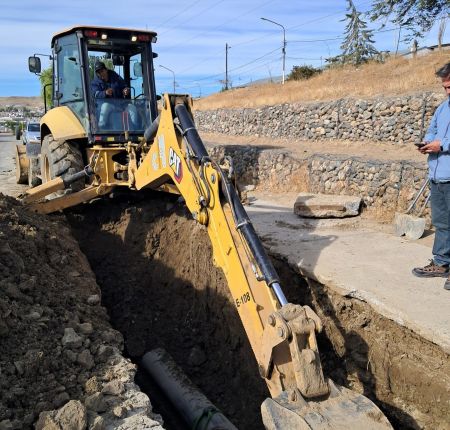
417 51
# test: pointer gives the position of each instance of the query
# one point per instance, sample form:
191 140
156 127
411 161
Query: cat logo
175 165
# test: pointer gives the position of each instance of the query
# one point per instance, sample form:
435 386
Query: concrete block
411 226
326 206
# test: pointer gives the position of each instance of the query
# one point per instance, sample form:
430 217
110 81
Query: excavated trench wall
154 265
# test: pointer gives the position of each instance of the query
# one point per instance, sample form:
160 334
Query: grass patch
394 77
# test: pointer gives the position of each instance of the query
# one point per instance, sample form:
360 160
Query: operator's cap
99 65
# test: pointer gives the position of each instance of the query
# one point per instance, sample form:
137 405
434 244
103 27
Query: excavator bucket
341 410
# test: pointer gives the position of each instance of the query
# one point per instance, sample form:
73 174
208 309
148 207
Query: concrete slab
358 261
311 205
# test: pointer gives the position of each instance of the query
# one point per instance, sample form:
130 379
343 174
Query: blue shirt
439 129
99 86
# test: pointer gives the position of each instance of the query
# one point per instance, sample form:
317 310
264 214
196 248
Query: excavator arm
282 335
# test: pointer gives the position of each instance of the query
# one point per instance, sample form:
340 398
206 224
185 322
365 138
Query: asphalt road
8 183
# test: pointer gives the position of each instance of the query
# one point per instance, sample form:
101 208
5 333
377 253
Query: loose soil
58 350
154 266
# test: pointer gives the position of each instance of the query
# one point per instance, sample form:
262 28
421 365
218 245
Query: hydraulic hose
150 132
189 130
243 223
87 171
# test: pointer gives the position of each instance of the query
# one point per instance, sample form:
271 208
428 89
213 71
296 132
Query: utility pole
398 39
173 73
227 47
283 49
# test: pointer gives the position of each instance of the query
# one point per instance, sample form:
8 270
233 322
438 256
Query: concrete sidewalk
358 260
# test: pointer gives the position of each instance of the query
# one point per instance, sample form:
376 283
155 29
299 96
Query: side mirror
137 69
34 64
154 55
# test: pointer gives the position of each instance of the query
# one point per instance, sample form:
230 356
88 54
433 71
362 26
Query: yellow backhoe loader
92 145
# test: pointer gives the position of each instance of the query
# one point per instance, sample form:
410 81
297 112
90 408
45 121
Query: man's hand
109 92
431 147
126 92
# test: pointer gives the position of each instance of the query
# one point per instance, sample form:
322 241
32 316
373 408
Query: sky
192 37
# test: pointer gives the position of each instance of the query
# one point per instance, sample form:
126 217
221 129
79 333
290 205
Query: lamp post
283 50
199 90
227 47
173 73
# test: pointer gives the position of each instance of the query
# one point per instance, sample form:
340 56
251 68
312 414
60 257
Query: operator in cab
109 85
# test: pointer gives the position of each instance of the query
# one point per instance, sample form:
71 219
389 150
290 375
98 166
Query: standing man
437 146
109 85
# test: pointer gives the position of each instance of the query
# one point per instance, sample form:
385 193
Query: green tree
299 73
357 46
46 79
416 16
11 125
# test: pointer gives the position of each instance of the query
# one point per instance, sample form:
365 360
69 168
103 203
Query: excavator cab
127 53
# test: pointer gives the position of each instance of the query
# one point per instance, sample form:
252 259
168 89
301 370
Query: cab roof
101 28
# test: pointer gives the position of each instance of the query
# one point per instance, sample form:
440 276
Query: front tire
60 158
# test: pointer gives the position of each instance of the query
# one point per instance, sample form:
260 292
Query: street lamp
283 50
173 73
199 90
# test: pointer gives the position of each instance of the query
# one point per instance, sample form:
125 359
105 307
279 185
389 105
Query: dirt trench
154 266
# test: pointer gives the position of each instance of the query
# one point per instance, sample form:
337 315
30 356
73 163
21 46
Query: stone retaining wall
385 186
390 119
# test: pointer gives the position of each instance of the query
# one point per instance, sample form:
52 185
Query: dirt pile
58 349
155 268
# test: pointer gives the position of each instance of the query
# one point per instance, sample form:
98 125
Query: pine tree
358 46
416 16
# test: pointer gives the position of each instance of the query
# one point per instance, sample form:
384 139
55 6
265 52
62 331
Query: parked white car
31 133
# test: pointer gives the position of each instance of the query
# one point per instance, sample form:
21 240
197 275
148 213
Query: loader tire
34 172
60 158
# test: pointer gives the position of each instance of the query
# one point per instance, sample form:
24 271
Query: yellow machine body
63 124
170 156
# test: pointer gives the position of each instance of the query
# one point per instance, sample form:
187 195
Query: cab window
69 87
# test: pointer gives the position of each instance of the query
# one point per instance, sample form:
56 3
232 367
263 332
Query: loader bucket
22 164
342 410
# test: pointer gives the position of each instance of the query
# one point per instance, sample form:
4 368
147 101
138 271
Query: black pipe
191 133
193 406
87 171
243 222
150 132
248 231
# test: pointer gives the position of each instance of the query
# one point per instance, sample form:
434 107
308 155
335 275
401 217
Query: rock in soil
55 336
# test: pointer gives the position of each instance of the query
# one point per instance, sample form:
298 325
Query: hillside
32 102
395 76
